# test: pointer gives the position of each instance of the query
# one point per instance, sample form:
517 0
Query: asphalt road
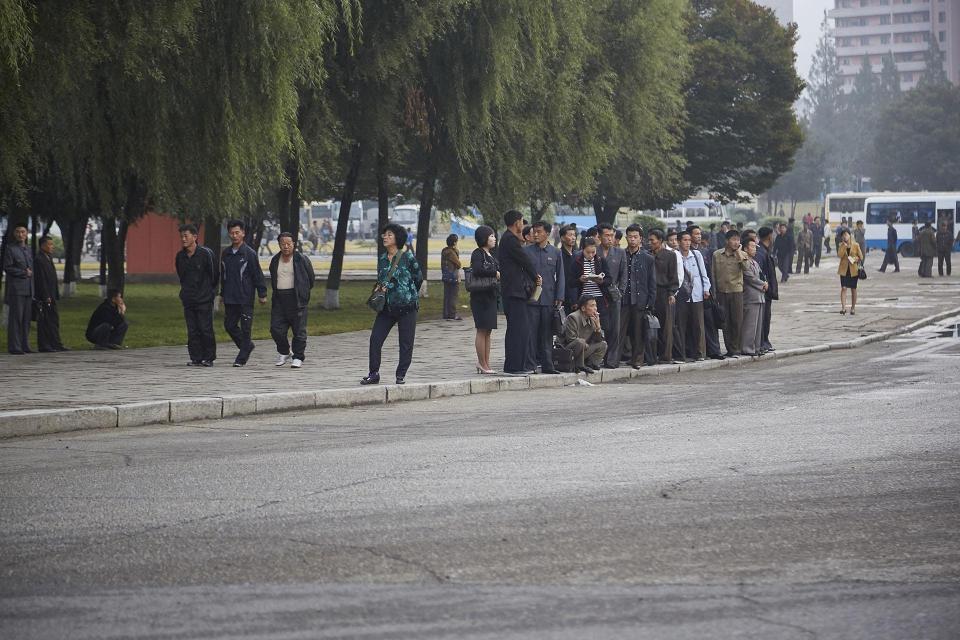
815 497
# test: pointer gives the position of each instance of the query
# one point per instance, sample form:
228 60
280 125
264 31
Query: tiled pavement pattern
807 314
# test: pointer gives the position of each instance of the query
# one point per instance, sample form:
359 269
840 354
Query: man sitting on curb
583 336
107 326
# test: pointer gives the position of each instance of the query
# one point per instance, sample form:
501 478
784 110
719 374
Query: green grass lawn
156 316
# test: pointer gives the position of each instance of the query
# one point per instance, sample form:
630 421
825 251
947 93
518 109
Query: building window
942 16
942 36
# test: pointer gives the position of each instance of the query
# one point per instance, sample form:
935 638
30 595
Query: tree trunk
113 244
288 203
255 227
332 300
383 200
73 237
34 231
211 235
103 257
423 224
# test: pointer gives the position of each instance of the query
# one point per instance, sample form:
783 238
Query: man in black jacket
665 262
768 270
890 255
240 277
518 277
197 270
782 251
47 292
107 326
639 295
292 278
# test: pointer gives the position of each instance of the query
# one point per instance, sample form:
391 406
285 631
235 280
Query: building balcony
881 29
881 49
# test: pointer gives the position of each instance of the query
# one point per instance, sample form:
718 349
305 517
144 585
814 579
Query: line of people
663 299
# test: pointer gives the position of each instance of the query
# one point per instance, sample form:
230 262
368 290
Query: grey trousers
18 324
587 353
752 328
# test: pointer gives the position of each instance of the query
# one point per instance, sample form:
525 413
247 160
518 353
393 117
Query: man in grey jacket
548 263
18 291
616 259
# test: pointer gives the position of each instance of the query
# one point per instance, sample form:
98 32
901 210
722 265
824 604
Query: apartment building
872 28
783 9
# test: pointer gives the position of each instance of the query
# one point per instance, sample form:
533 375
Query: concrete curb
32 422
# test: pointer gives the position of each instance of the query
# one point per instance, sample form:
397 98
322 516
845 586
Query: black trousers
238 321
451 291
287 316
406 327
817 252
890 257
612 331
943 257
18 323
711 335
541 334
201 342
765 319
803 260
664 312
48 328
106 334
632 330
518 335
926 267
690 327
785 267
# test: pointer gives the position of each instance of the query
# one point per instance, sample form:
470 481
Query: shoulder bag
378 297
478 284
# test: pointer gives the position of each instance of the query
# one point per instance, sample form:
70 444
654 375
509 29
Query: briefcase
562 358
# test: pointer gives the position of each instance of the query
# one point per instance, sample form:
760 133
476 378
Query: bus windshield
903 212
845 205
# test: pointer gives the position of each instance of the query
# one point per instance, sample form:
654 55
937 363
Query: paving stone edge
32 422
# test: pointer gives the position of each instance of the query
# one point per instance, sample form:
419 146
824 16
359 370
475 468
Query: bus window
902 212
846 205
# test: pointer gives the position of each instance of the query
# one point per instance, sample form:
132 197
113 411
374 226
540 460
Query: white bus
905 209
698 210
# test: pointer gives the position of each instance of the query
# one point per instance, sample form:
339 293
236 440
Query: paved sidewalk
806 315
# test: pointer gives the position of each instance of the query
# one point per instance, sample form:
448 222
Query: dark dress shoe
585 369
206 363
549 371
716 356
63 348
15 353
371 378
400 380
192 363
610 366
594 369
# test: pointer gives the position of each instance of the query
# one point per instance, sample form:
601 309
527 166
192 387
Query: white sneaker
282 359
297 363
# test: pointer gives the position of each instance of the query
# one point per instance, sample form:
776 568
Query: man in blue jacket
240 277
548 263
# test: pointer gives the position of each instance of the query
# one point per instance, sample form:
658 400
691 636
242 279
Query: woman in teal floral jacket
402 302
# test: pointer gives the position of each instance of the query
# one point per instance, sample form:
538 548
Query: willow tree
645 51
185 106
368 77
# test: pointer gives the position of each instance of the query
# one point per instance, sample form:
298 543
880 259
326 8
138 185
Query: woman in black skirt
483 304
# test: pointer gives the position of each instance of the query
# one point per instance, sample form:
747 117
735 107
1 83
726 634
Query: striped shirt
590 288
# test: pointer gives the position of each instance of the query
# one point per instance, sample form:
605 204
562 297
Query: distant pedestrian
197 270
944 248
781 252
890 255
817 230
851 259
518 279
291 278
399 276
240 279
450 275
754 290
928 250
791 244
483 304
18 291
107 327
47 294
804 249
860 236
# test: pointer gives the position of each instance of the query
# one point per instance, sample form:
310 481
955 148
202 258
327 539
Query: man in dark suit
18 291
665 262
890 255
518 277
639 294
47 293
616 259
768 270
568 248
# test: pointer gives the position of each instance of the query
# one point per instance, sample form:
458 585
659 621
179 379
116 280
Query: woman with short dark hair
483 304
450 274
399 275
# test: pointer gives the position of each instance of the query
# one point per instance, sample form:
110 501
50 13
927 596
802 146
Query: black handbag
478 284
378 297
862 272
562 358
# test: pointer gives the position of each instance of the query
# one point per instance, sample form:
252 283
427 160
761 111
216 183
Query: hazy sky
808 14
